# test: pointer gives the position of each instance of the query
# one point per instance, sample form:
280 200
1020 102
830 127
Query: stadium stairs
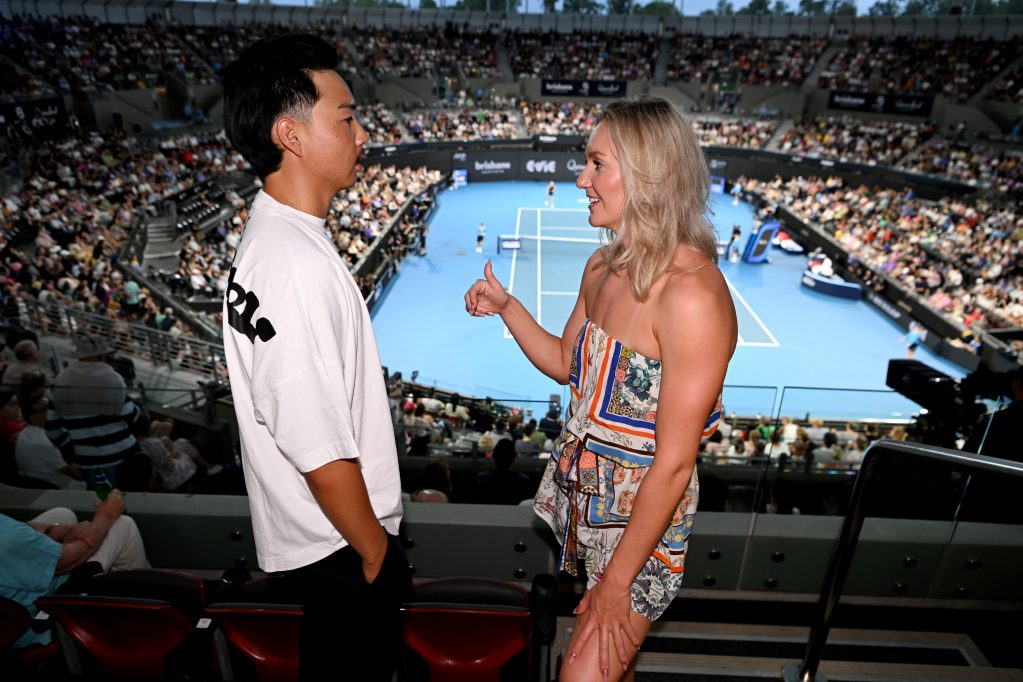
982 93
779 134
810 84
660 75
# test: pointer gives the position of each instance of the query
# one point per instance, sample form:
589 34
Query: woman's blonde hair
666 188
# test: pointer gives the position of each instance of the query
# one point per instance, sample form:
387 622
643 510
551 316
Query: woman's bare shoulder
698 295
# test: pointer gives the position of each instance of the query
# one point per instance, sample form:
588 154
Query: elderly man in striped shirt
91 416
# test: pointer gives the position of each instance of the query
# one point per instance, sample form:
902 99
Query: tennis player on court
651 334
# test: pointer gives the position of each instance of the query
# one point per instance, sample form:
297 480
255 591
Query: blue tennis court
790 337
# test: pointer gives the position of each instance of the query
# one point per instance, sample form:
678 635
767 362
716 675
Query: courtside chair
467 629
262 625
130 621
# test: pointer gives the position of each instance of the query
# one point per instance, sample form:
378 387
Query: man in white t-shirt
318 447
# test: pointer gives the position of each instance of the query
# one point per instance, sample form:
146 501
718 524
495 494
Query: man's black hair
270 78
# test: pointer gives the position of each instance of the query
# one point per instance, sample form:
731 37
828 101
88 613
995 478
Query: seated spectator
454 413
91 415
26 354
502 485
431 404
418 428
550 425
538 436
788 429
489 440
527 445
776 448
47 554
816 430
716 446
177 463
829 452
437 477
37 457
855 450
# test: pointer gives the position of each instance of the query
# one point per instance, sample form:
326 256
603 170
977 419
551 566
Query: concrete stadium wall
728 552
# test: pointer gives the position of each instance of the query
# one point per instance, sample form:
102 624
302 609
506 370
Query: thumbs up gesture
486 296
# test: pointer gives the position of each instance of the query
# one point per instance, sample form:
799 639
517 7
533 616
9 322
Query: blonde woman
651 333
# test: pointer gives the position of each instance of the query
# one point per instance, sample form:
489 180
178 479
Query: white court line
572 228
511 279
539 269
573 240
773 343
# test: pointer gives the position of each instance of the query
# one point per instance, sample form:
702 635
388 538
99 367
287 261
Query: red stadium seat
129 621
14 621
467 629
264 631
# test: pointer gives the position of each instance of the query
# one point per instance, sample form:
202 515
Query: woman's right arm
549 353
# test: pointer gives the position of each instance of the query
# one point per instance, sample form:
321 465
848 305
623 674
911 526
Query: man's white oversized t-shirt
307 384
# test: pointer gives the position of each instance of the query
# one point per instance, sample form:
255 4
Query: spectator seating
129 621
467 629
14 621
956 67
262 625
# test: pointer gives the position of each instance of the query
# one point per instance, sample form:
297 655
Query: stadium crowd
962 258
858 140
426 53
443 125
85 54
582 55
957 67
40 56
743 60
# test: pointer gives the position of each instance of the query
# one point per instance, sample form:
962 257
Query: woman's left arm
696 332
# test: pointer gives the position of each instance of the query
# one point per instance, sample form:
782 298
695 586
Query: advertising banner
483 166
563 87
30 119
881 103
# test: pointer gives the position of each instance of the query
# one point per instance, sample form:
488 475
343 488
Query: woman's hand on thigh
608 612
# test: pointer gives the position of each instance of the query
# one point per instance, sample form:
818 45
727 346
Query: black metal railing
845 546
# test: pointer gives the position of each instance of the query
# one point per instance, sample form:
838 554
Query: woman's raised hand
486 296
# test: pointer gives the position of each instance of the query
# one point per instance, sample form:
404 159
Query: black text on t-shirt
241 321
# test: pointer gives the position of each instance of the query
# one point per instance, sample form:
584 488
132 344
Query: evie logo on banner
533 166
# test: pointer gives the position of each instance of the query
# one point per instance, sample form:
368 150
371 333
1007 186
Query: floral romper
600 459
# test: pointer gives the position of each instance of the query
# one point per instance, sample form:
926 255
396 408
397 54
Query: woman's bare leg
586 667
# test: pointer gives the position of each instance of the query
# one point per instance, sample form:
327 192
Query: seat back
127 637
263 622
185 591
14 621
130 620
467 629
266 634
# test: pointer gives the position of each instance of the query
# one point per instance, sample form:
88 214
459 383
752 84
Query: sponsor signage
884 305
519 165
35 118
581 88
541 166
881 103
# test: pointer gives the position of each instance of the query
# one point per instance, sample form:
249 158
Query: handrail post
845 546
834 579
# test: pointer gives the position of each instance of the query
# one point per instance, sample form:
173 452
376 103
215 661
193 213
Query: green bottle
103 485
